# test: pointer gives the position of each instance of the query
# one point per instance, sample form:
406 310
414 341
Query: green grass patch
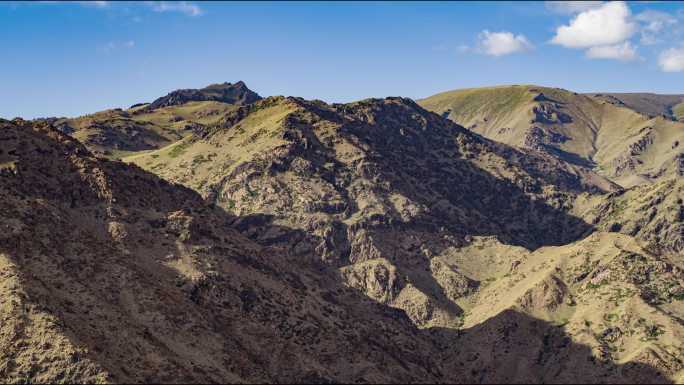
652 332
178 149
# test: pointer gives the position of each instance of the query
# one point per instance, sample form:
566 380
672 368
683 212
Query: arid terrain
503 234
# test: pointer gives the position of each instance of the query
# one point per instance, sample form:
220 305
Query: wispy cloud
571 7
116 45
96 4
654 24
463 48
184 7
99 4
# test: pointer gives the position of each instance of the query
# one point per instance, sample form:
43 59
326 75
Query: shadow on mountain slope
390 165
513 347
379 186
416 191
120 276
117 275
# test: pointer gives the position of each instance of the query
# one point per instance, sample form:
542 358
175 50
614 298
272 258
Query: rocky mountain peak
237 94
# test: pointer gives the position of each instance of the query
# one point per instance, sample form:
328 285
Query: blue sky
68 59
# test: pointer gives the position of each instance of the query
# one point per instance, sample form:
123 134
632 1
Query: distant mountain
618 142
237 94
116 133
669 106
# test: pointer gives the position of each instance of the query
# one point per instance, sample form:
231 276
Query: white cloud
184 7
502 43
571 7
625 52
672 60
609 24
654 24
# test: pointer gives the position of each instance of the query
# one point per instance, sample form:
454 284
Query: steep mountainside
110 274
622 144
470 238
378 180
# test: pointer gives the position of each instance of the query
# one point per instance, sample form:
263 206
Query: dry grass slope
619 138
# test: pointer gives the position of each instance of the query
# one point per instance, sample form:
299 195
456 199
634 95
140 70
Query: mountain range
504 234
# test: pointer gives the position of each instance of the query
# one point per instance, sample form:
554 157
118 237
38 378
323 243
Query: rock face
653 214
237 94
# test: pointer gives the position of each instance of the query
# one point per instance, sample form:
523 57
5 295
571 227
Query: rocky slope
378 188
110 274
476 241
620 143
653 213
609 301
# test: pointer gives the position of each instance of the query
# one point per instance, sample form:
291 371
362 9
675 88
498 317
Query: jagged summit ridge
236 93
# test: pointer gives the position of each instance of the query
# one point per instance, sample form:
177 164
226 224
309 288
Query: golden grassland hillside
628 146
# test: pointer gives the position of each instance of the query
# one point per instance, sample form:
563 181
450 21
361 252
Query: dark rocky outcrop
237 93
